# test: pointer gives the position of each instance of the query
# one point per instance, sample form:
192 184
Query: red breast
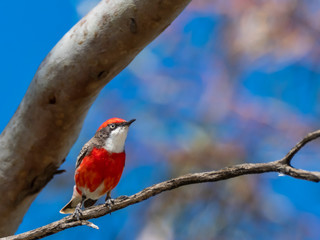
100 166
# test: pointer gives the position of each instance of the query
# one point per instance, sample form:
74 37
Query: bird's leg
109 201
78 212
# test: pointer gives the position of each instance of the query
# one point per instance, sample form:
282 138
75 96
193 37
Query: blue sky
185 88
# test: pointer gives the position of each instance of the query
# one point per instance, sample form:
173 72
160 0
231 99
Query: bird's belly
99 173
95 194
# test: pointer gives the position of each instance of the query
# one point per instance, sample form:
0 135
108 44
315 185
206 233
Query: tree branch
311 136
281 166
49 118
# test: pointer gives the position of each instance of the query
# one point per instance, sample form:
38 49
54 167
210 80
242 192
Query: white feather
115 142
96 194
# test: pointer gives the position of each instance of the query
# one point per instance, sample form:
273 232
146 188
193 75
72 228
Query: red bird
99 166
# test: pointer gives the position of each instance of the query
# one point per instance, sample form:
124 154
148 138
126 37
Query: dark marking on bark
100 74
103 74
133 26
52 100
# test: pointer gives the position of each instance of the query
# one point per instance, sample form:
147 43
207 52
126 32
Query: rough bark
282 166
49 118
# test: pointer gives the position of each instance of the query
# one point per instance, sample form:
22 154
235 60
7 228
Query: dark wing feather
84 151
96 141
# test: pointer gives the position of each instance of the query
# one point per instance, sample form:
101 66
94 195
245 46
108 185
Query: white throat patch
115 141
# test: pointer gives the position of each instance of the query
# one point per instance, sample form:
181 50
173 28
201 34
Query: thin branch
281 166
310 137
89 224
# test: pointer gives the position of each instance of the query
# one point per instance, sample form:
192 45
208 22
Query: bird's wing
87 148
84 151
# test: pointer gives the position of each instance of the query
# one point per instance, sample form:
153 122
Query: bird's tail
70 206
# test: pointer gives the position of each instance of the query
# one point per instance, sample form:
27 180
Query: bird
99 166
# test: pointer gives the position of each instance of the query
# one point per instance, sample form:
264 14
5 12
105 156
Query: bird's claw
77 214
109 202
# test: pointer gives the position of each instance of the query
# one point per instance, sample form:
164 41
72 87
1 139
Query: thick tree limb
281 166
48 120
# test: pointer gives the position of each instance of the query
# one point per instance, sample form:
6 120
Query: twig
310 137
282 166
89 224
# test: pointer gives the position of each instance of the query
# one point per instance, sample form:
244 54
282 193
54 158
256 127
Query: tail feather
72 204
70 207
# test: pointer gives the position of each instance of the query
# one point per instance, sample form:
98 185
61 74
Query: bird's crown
109 121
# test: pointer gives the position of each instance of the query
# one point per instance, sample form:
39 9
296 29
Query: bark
282 166
48 120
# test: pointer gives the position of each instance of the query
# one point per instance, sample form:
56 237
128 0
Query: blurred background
228 82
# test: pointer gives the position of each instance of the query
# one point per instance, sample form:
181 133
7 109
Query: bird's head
113 133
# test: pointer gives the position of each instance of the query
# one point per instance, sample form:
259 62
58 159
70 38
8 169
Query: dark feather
89 202
96 142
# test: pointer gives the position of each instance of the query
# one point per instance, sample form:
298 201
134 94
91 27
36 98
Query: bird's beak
129 122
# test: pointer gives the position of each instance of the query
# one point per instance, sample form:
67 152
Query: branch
281 166
310 137
49 118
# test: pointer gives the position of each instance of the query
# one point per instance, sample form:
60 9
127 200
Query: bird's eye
112 126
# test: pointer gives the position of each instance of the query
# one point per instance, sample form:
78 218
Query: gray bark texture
47 123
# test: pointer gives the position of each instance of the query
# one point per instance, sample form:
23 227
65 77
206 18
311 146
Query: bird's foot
77 213
109 202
